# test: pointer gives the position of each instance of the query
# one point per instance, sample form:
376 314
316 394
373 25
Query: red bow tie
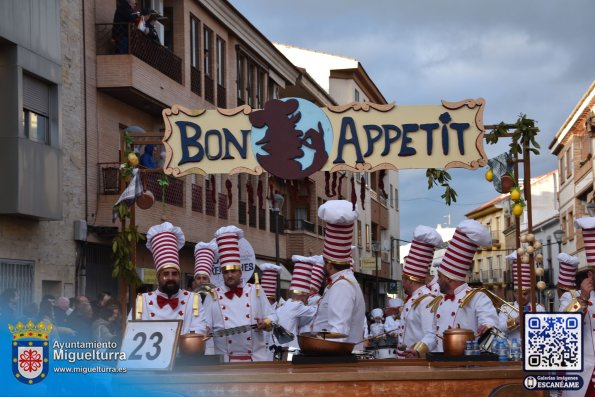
449 297
172 302
237 292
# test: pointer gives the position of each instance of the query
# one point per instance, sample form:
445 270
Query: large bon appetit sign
292 138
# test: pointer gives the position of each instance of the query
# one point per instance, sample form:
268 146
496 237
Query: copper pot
192 344
454 341
313 343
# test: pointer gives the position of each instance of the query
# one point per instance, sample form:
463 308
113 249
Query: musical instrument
498 303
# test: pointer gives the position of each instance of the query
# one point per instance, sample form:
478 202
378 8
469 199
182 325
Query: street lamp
377 246
559 235
277 204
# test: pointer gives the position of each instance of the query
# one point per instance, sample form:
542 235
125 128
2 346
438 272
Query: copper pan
314 343
192 344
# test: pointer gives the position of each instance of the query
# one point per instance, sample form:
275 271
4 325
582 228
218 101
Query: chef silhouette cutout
282 141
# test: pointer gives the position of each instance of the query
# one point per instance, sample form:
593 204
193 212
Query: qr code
553 342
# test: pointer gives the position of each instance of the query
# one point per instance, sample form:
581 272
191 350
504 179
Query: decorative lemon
523 238
515 194
521 251
539 271
517 209
530 249
530 237
539 258
132 159
525 258
489 175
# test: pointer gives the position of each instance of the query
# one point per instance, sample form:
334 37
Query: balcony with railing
129 64
300 225
492 276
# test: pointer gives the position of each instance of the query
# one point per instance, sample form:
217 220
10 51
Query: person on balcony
124 15
147 160
150 26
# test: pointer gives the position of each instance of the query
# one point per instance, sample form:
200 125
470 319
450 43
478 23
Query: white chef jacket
342 308
588 348
567 298
292 316
391 323
478 311
182 311
433 286
417 323
225 313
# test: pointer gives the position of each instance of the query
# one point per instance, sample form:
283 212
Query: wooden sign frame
158 332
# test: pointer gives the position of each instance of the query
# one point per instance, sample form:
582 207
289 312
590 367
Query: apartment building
71 94
573 146
42 145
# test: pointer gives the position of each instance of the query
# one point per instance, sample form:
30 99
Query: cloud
530 56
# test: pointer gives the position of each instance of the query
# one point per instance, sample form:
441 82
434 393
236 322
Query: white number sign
150 344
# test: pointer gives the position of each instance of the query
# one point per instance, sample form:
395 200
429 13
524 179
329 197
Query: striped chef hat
587 224
419 260
268 280
458 258
302 271
205 254
317 273
164 241
228 246
525 272
338 235
567 273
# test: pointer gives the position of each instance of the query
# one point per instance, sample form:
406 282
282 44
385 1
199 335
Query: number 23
143 337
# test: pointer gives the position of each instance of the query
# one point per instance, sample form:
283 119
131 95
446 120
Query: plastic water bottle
469 348
476 351
503 350
515 350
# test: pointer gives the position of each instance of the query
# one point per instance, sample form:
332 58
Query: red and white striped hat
419 260
228 247
317 273
525 272
338 235
587 224
458 258
205 254
302 271
164 241
567 273
268 281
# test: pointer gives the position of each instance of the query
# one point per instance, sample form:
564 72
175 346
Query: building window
250 84
220 61
260 79
569 164
359 234
273 89
562 169
195 76
356 95
241 79
36 110
208 37
570 225
367 237
397 199
391 195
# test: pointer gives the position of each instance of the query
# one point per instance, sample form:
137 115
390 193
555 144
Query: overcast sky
534 57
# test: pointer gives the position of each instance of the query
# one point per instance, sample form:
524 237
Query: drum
385 352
